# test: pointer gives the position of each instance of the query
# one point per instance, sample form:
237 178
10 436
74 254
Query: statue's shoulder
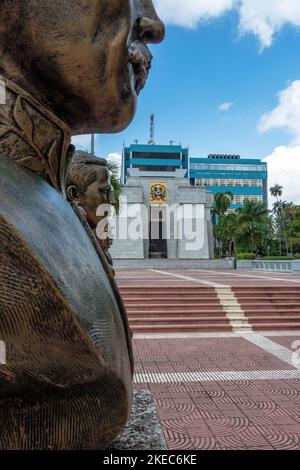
43 233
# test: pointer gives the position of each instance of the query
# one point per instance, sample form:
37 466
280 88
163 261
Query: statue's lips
140 57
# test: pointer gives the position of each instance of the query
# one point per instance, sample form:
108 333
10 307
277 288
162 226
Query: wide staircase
199 309
174 309
270 308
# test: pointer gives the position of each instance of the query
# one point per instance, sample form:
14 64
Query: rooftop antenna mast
152 128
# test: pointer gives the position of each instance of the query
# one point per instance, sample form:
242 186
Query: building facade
244 178
154 160
163 218
167 197
161 214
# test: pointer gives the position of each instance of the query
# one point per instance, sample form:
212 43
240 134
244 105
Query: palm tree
227 231
114 169
283 211
276 191
254 224
222 202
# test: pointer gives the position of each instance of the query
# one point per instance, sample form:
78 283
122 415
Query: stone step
202 287
157 308
252 311
266 288
275 326
214 300
263 295
166 290
173 299
174 313
275 318
170 306
267 306
175 328
178 320
182 315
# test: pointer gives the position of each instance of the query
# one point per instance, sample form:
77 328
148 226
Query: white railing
279 266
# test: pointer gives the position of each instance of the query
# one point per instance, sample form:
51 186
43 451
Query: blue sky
212 59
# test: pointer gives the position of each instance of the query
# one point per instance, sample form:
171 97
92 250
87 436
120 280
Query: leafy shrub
246 256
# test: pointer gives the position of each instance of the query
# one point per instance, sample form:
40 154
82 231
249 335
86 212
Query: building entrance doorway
158 247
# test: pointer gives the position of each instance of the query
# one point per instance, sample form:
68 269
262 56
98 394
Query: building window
157 155
220 167
155 168
229 182
241 198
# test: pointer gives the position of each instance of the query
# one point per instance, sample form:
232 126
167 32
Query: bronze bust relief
69 67
89 188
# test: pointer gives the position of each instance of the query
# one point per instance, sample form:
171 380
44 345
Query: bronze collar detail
34 136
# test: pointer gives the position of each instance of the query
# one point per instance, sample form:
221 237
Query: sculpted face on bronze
89 186
85 59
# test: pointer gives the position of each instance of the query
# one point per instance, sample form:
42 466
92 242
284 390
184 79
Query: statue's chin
111 115
113 109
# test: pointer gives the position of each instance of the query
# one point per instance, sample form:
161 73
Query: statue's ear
72 193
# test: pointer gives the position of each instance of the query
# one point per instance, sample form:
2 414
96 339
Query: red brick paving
197 354
256 414
146 277
225 415
286 341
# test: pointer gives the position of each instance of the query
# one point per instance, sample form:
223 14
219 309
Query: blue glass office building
245 178
155 160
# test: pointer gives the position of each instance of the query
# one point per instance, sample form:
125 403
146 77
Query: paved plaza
236 389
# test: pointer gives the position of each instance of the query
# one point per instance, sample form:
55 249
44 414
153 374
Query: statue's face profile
98 196
89 186
88 59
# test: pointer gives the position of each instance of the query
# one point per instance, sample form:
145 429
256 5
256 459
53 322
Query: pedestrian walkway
224 391
235 387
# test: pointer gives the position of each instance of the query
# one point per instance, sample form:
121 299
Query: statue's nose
151 30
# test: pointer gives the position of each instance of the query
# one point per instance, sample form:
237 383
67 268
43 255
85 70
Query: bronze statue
68 67
89 187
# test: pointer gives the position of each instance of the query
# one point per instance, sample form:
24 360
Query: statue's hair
80 173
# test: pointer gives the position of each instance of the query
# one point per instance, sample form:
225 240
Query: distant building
155 160
172 217
245 178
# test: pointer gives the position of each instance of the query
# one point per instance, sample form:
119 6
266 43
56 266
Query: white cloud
284 169
263 18
82 142
286 115
191 12
226 106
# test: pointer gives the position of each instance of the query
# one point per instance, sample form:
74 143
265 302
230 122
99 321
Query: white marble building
163 216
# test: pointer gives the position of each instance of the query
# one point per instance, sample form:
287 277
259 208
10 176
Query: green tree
276 191
282 218
114 169
254 226
222 202
226 232
295 229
